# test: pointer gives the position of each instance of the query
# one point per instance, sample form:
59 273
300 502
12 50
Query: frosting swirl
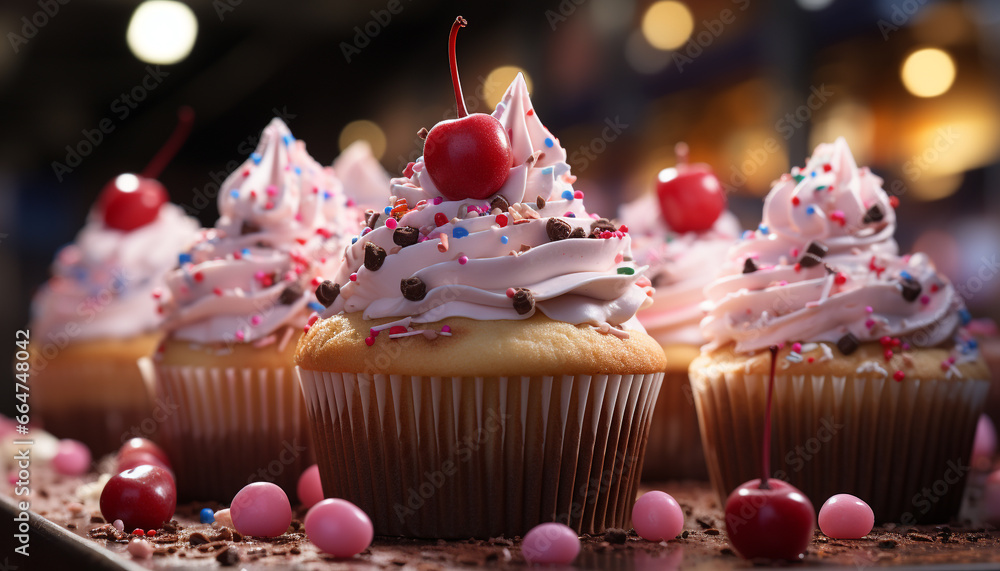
365 181
425 258
823 264
680 266
251 277
102 285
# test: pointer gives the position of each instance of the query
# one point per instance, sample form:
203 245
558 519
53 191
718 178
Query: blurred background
89 90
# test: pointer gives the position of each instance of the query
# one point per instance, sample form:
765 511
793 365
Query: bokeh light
365 130
162 31
928 72
666 25
497 82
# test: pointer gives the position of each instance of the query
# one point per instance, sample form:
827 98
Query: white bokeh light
162 31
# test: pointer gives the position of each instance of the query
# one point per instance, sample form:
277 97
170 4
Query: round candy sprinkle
552 543
339 528
140 549
310 489
463 260
391 223
657 516
207 515
119 525
567 194
225 518
72 458
261 509
844 516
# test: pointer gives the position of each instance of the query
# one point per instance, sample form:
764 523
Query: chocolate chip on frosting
327 292
499 202
414 289
523 300
372 219
602 224
249 227
422 133
874 214
848 344
291 294
374 256
817 249
540 202
911 288
749 266
557 229
406 236
578 233
810 260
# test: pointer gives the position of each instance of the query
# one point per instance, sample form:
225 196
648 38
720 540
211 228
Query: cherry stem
681 152
460 22
185 116
766 464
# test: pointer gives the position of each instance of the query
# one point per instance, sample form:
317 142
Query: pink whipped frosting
469 254
680 266
252 277
857 288
365 182
102 284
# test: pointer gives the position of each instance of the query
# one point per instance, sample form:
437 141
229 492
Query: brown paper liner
674 450
903 447
480 457
230 427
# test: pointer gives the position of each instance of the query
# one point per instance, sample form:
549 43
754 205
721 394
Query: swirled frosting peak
251 278
530 247
823 266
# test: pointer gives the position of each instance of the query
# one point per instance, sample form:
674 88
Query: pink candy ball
844 516
310 490
339 528
72 458
140 549
657 516
552 543
261 509
985 445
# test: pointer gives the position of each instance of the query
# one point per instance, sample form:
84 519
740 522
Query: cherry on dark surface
691 196
132 201
142 445
468 157
144 497
768 518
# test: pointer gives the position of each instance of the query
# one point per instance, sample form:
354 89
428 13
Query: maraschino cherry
144 497
691 196
769 518
468 157
131 201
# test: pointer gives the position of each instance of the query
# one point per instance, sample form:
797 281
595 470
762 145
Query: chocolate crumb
228 557
291 294
557 229
874 214
920 537
499 202
198 538
910 288
817 249
704 523
422 133
295 551
406 236
888 544
749 266
374 256
372 220
172 526
524 302
97 519
615 536
810 261
223 535
327 292
602 224
578 233
540 202
414 289
71 526
712 531
727 551
685 533
848 344
249 227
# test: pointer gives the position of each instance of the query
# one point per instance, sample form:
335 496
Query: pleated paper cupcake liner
230 427
903 447
460 457
674 450
99 402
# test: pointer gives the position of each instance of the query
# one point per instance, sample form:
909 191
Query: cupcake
479 368
237 305
878 388
97 316
683 253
